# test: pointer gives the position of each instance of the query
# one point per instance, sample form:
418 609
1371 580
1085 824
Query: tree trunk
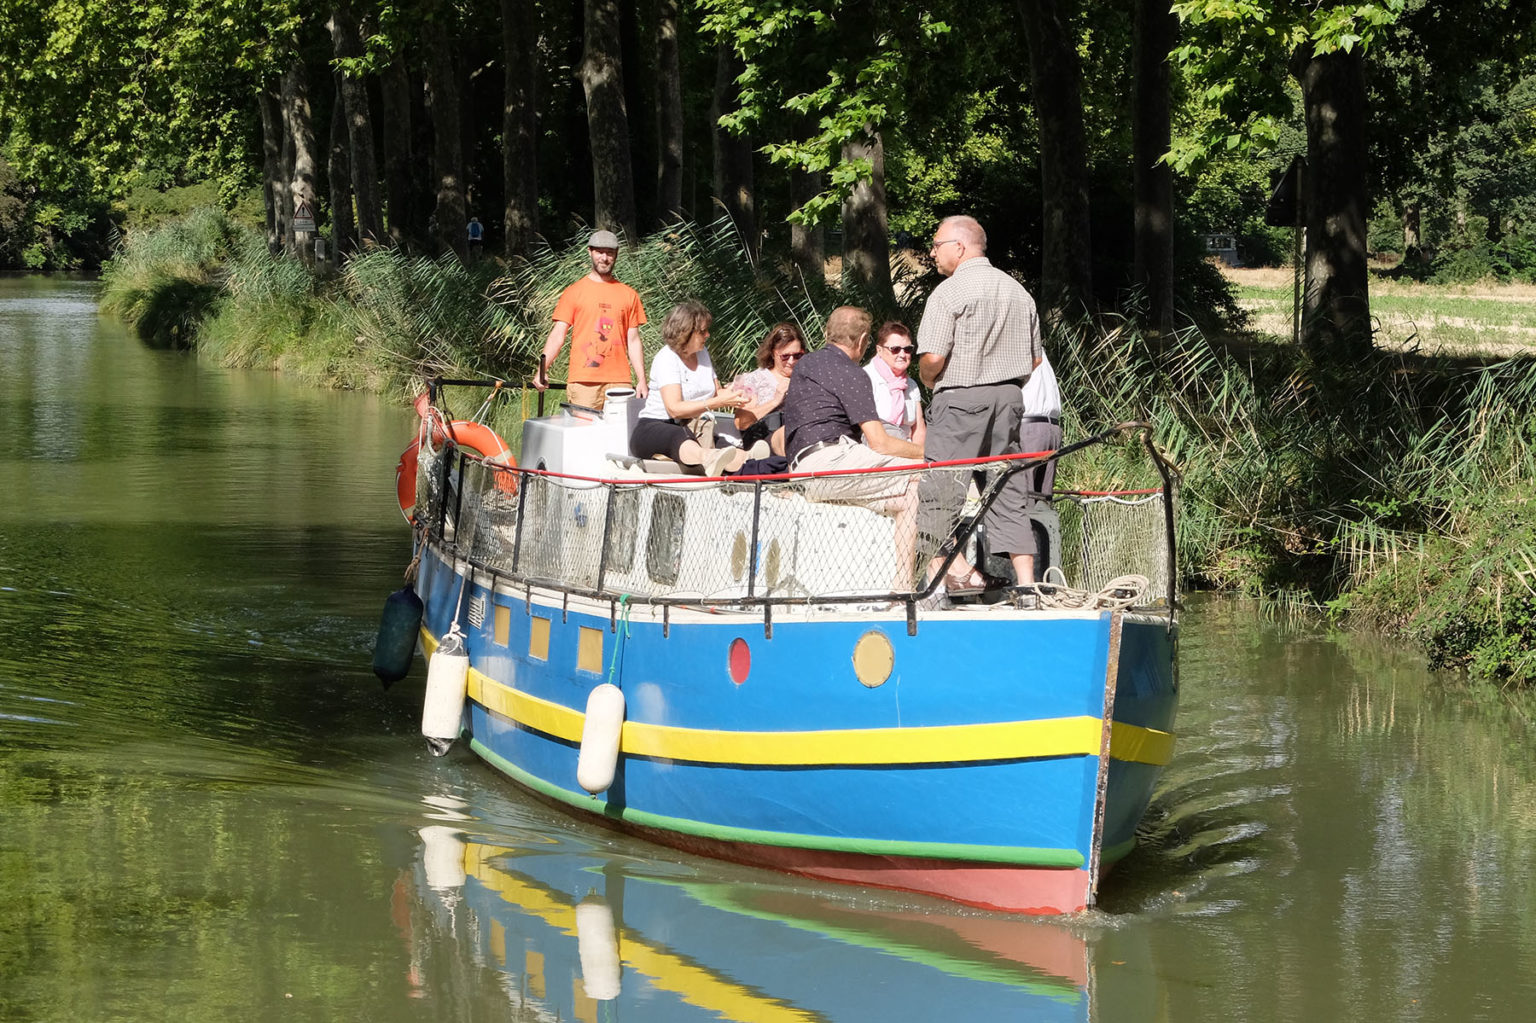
269 102
301 132
639 95
602 79
866 242
1336 310
348 42
734 185
1413 244
807 242
399 195
1066 273
442 90
1157 30
669 113
339 172
520 129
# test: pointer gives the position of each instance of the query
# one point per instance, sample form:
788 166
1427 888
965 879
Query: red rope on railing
780 477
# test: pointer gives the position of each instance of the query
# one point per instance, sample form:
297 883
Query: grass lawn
1491 319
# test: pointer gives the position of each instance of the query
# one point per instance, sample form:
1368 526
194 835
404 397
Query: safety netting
885 535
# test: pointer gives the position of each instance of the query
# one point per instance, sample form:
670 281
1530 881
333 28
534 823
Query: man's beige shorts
590 395
852 489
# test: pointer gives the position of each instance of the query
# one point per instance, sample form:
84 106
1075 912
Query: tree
520 152
442 91
733 178
1066 273
669 113
357 117
1233 46
602 79
1152 178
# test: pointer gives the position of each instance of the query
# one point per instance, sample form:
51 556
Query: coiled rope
1119 593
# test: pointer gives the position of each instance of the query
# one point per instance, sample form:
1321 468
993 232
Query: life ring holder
464 433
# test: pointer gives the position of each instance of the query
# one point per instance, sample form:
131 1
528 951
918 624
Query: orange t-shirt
600 314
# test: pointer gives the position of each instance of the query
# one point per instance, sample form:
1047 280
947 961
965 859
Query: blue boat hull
970 760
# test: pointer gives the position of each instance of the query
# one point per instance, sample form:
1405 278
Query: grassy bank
1392 492
1434 319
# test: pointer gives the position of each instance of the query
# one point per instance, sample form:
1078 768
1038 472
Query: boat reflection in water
579 934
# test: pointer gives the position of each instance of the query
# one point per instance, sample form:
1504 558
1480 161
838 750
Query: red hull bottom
1003 887
1006 888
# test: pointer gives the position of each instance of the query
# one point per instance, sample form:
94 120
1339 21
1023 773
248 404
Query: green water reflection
210 809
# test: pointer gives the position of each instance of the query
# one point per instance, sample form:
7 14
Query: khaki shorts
872 486
590 395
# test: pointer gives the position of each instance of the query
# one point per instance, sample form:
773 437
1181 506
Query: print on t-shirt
602 344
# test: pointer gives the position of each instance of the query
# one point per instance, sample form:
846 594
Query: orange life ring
476 437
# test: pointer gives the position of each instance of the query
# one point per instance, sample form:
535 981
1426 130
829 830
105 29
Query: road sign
304 217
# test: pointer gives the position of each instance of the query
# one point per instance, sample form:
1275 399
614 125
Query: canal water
210 809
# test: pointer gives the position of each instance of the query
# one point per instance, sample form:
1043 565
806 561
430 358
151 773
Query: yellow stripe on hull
935 744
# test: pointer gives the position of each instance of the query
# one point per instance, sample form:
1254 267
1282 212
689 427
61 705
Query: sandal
967 585
974 583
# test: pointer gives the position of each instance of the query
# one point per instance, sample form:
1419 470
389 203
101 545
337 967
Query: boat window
664 541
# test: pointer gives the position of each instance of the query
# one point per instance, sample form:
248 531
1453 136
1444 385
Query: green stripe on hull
1013 855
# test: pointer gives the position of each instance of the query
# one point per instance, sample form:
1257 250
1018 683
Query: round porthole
739 660
873 658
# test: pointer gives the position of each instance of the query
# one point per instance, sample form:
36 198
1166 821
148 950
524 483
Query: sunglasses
791 356
901 349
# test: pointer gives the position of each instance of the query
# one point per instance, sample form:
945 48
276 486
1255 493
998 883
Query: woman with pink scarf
896 395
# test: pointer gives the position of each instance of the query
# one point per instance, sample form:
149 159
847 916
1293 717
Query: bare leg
691 453
1023 568
904 509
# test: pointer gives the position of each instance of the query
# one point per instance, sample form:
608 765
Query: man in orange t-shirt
604 316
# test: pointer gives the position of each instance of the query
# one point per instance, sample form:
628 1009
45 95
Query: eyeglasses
900 349
791 356
936 243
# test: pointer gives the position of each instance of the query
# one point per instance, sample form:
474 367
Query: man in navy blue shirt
828 410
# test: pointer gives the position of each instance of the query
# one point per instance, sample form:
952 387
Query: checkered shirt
985 322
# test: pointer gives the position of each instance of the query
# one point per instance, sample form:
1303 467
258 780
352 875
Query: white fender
597 941
442 712
599 757
442 854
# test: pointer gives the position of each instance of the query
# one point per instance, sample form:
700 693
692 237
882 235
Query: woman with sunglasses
896 397
762 418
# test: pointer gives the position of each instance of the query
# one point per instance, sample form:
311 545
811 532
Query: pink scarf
898 386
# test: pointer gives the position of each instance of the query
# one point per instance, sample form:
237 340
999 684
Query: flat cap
603 240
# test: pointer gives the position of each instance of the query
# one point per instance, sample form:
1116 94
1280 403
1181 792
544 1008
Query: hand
727 398
642 391
540 380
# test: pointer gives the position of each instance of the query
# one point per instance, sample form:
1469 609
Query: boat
734 668
570 931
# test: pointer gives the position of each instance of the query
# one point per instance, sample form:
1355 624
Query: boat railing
760 542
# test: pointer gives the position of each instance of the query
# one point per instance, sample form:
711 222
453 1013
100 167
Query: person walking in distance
603 316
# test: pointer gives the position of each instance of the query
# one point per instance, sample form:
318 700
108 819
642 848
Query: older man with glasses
977 344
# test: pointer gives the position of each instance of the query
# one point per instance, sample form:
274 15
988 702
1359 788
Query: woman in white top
896 397
684 387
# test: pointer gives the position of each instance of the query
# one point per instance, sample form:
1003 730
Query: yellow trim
1138 745
589 650
1002 740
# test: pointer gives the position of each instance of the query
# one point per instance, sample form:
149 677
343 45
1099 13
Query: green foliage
1235 55
166 282
1469 598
